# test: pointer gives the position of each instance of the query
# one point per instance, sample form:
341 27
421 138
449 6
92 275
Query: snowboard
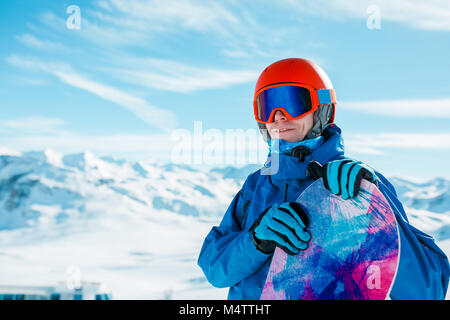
353 253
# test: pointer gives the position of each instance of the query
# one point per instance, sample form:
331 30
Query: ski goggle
295 100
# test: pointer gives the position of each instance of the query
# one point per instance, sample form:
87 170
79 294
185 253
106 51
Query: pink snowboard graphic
353 253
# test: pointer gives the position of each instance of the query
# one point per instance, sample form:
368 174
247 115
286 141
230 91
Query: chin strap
321 120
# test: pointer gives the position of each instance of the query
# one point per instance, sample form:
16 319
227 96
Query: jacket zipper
285 192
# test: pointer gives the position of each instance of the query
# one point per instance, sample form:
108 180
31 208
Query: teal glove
343 177
283 225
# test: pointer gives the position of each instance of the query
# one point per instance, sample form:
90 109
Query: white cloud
163 74
374 144
163 119
135 146
39 133
199 16
427 15
118 22
360 148
231 26
69 142
4 151
225 146
91 31
114 23
32 41
433 108
35 124
28 81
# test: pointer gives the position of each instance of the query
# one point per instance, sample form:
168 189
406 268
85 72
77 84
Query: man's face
297 129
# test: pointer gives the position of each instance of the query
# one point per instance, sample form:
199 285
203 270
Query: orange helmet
302 73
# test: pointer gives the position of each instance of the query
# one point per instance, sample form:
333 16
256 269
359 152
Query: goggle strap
326 96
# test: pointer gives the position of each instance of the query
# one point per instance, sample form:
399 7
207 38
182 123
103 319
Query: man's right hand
283 225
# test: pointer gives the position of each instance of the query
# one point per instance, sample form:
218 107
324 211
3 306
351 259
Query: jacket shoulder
386 183
251 181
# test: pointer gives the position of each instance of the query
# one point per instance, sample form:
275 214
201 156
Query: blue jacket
229 258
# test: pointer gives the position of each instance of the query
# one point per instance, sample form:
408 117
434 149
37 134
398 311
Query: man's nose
279 116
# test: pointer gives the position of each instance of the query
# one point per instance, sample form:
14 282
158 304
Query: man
294 107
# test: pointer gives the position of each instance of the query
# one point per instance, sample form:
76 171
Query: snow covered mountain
47 187
433 195
137 226
427 205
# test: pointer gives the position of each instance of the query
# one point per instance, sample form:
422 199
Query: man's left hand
343 177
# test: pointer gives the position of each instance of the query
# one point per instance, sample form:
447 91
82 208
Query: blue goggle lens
293 99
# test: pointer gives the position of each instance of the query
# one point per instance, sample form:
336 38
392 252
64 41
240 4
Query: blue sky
137 70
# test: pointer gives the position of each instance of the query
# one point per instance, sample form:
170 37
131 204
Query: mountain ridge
34 180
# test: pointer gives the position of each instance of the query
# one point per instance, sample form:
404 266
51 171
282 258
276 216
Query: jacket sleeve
423 271
228 254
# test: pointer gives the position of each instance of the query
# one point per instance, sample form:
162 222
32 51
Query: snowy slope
136 226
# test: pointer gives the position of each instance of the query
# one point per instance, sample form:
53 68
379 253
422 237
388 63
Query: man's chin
289 138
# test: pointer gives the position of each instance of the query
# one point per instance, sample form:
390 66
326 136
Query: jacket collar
281 167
